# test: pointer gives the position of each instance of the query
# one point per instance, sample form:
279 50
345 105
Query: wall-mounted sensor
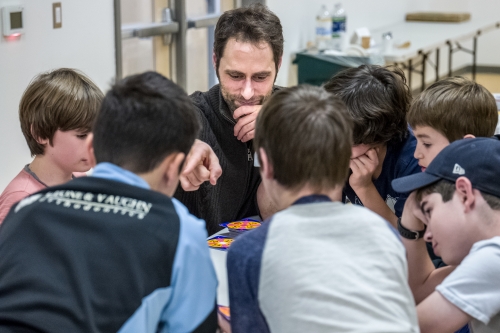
12 21
57 15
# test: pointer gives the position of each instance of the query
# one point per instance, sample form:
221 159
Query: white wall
85 41
298 20
488 46
488 43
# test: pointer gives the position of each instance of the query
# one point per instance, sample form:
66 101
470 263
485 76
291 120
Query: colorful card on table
224 311
243 225
220 242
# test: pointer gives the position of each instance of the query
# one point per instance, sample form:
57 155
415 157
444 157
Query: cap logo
458 170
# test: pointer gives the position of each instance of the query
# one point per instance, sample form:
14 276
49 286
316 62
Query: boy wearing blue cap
457 202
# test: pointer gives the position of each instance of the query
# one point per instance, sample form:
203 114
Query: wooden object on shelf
438 17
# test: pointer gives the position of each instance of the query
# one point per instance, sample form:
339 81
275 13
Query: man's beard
235 101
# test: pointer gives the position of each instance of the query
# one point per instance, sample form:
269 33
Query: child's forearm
422 276
372 200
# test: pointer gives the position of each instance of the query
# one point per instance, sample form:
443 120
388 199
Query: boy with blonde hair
450 110
56 114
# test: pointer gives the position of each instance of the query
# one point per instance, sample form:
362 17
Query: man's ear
279 63
214 61
89 143
469 136
266 169
465 192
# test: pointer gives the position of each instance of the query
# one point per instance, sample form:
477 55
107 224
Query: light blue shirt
114 172
191 297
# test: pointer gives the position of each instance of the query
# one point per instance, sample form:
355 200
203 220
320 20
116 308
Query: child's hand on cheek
413 218
363 167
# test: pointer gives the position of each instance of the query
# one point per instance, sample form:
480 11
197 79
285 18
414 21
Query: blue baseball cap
477 159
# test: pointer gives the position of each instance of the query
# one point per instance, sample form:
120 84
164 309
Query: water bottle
338 27
323 28
387 42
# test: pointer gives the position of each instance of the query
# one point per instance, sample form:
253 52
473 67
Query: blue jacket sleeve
407 165
191 307
243 268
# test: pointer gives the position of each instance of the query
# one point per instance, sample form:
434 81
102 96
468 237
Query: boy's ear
465 192
469 136
266 169
89 142
37 138
172 168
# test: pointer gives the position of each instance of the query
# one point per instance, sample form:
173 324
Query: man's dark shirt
235 195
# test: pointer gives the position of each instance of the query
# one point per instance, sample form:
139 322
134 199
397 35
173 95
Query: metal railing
142 30
175 30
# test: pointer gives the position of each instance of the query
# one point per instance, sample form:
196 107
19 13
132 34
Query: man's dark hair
307 136
447 188
254 24
143 119
377 99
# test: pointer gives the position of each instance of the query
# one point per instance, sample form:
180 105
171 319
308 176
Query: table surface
428 36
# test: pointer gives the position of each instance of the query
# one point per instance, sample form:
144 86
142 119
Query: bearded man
248 48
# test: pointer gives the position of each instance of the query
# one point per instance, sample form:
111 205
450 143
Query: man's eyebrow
262 73
233 72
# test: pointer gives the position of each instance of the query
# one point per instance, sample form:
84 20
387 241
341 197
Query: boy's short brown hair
64 99
377 99
447 189
306 133
455 107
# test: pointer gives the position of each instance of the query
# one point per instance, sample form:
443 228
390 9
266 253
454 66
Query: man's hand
363 167
245 117
201 165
